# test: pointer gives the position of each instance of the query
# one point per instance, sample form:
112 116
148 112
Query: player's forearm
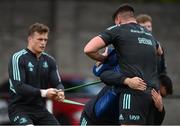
55 81
96 56
29 91
110 77
25 89
92 48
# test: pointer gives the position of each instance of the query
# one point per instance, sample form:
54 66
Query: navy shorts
135 107
20 116
127 106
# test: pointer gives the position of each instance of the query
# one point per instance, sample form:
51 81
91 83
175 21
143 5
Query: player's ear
118 20
29 38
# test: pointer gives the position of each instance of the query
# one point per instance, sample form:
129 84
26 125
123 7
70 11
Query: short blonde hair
142 18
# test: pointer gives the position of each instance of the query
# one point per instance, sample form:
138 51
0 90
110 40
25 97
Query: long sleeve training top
28 74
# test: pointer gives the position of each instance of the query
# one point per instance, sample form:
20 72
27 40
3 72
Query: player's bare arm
92 48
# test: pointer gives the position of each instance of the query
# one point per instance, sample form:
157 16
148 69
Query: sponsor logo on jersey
121 117
144 41
22 120
134 117
45 64
31 66
140 31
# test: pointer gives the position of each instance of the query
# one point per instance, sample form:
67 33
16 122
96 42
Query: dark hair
38 27
142 18
166 82
123 8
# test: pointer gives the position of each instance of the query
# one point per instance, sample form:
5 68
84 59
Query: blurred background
73 23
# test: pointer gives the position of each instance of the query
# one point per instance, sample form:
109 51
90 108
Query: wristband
43 93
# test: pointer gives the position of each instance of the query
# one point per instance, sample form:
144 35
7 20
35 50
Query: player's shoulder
119 28
112 27
19 53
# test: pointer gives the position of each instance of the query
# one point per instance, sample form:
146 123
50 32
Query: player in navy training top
102 109
136 52
33 77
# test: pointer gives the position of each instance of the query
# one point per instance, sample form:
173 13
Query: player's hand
51 93
159 50
157 98
135 83
60 96
105 53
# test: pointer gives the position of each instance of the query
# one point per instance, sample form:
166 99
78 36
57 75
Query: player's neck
34 52
129 21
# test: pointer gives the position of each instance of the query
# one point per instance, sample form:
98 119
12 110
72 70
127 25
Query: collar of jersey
31 53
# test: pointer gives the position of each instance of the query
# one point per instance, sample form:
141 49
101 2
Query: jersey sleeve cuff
43 93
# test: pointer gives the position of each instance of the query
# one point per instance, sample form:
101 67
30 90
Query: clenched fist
53 94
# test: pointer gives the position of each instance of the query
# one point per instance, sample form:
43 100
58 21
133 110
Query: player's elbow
87 50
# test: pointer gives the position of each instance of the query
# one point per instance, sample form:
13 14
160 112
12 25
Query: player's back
135 51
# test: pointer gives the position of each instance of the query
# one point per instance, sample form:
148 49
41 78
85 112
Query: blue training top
111 63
